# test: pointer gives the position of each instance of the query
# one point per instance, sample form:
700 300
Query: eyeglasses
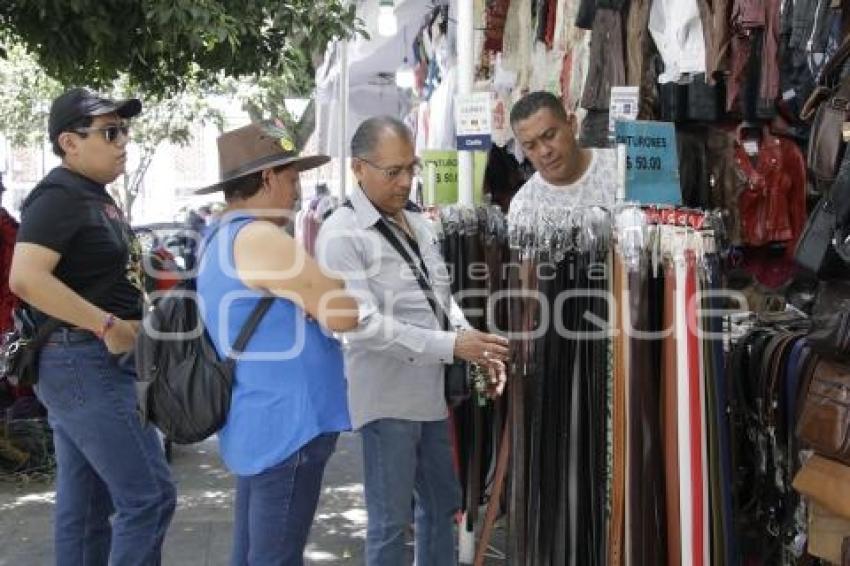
110 133
393 172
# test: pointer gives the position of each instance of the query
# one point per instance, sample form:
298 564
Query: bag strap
256 315
250 326
832 69
419 271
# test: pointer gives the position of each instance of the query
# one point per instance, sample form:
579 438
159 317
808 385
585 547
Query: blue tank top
290 387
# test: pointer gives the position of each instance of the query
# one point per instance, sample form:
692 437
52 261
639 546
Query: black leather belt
67 335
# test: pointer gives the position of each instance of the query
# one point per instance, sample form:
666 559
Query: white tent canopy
371 67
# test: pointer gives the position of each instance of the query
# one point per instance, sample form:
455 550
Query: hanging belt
724 448
644 446
669 418
683 423
618 482
696 422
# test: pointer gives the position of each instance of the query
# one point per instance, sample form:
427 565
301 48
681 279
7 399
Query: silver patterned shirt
598 186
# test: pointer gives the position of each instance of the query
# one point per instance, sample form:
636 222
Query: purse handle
831 72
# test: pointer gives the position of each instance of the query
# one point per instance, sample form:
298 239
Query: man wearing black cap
76 264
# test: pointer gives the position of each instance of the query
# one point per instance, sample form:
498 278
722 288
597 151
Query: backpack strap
250 327
256 315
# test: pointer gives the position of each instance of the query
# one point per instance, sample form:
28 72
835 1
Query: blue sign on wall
652 162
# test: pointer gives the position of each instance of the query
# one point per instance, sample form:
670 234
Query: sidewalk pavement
200 534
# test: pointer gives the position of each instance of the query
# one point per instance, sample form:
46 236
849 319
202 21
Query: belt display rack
633 429
474 243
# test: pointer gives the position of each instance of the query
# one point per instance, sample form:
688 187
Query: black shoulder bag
19 348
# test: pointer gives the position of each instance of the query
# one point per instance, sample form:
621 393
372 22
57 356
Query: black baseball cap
78 103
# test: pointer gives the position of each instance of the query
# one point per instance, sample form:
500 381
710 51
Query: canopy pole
465 47
343 118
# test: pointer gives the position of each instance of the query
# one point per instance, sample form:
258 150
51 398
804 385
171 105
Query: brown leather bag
827 483
826 534
824 419
828 107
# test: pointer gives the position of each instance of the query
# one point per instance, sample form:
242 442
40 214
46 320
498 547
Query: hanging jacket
771 192
753 85
607 60
715 15
587 10
676 27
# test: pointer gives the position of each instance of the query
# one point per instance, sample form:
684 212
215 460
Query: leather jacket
771 192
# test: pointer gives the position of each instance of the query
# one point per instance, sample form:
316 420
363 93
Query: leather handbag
825 482
827 108
826 534
20 347
830 335
815 251
826 142
824 418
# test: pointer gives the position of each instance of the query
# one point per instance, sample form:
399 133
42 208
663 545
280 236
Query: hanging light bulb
387 23
404 76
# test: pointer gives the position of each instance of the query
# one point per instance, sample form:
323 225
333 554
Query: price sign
440 177
472 119
624 105
652 163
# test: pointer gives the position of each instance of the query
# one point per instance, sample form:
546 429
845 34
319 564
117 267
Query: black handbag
815 250
829 333
19 348
830 336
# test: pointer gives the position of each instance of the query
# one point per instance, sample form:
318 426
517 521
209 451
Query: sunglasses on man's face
110 133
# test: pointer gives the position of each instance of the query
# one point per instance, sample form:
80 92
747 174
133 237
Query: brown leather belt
669 417
618 483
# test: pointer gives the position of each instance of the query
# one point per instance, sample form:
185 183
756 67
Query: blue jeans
275 508
404 460
107 461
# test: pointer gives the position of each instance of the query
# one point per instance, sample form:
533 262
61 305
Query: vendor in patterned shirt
567 175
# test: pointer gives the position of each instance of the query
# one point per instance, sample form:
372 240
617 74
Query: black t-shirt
76 217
